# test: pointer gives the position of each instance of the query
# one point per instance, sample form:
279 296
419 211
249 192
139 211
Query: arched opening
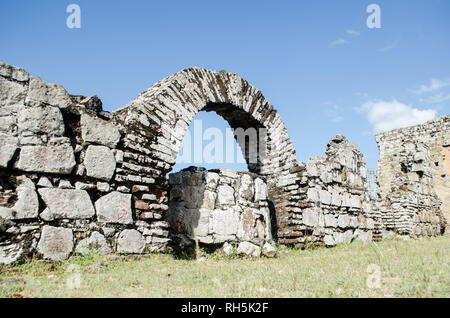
217 193
239 141
210 143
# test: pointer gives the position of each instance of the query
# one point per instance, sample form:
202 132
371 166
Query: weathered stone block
44 182
68 203
8 146
49 159
325 197
227 248
97 131
41 93
100 162
310 217
248 249
225 195
355 202
330 220
336 198
12 97
130 242
141 205
268 250
95 243
47 215
212 180
312 195
27 205
370 223
114 207
56 243
343 221
261 192
364 236
247 225
329 240
41 120
246 190
13 72
345 237
311 169
140 188
225 222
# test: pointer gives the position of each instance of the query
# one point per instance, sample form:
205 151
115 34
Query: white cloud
388 115
353 32
435 85
389 47
339 41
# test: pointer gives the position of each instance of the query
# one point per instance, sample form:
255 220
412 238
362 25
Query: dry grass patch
414 268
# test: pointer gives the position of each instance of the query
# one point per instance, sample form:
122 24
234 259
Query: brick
140 188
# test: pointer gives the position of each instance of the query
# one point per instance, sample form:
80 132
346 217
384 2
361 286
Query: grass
414 268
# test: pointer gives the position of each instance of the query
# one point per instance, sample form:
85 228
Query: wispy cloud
339 41
435 84
334 113
389 47
353 32
388 115
362 95
436 99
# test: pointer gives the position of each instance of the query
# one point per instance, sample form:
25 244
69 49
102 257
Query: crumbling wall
413 183
336 206
65 176
74 177
84 176
219 206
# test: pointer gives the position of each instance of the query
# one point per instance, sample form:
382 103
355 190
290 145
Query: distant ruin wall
413 182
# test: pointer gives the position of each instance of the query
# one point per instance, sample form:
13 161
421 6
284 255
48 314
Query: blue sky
315 61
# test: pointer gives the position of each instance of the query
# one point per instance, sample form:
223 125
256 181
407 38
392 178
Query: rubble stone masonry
75 178
413 178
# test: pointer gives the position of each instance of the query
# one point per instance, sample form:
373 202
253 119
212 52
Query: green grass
414 268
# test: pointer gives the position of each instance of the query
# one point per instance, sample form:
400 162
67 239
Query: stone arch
159 117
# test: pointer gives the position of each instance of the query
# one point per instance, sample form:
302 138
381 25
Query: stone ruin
74 178
414 178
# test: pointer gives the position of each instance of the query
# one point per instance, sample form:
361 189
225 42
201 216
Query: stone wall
336 206
219 206
74 177
412 180
85 175
67 179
